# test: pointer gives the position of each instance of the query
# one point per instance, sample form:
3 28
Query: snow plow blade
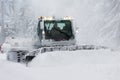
25 56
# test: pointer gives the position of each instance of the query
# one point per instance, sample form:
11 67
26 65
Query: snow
78 65
98 22
17 43
77 57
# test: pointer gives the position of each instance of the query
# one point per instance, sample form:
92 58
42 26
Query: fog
98 20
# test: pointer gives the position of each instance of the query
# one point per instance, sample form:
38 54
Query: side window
38 28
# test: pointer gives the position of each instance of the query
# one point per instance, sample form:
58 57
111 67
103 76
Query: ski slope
77 65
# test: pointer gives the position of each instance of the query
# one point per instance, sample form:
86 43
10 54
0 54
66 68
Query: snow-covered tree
110 28
98 20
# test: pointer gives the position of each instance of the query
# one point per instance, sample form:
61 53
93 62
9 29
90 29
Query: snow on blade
76 57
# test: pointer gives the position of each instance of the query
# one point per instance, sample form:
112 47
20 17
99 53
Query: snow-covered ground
74 65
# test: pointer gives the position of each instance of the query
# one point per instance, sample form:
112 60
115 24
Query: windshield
58 30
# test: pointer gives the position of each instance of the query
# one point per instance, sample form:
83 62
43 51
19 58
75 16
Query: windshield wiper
68 36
